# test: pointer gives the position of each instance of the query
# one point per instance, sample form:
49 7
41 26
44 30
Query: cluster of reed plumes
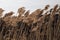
42 24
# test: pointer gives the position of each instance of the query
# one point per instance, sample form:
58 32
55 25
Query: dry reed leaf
21 11
36 12
9 14
46 7
27 13
1 11
35 29
55 8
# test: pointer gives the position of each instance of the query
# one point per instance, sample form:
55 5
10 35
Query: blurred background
13 5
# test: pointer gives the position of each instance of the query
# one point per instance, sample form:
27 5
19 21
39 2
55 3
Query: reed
34 26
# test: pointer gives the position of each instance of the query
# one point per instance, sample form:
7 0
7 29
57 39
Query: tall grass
35 26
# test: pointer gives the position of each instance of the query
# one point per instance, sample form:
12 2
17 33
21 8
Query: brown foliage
36 26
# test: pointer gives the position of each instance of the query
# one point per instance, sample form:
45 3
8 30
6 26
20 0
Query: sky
13 5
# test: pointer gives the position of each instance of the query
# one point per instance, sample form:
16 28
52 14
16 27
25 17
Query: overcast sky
13 5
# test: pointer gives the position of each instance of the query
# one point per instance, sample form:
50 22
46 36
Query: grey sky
13 5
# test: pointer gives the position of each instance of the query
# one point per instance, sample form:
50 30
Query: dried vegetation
34 26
